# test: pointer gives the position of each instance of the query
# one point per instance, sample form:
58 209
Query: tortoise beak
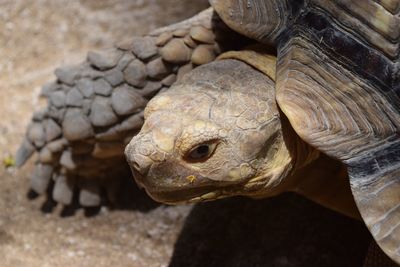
161 182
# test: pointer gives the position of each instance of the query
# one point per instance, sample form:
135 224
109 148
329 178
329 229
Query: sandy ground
36 36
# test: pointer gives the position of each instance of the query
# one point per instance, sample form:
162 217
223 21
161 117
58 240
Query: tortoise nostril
142 169
140 163
137 156
136 166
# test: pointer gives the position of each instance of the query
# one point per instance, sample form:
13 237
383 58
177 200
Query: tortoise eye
201 152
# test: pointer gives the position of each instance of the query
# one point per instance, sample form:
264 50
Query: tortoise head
216 133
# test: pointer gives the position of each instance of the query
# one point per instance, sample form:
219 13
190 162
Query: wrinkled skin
219 133
216 133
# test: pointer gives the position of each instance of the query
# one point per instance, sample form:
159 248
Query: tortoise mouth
184 196
182 189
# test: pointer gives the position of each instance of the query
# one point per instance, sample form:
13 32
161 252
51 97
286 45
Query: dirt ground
36 36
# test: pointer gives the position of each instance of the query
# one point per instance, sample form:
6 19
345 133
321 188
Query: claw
89 195
63 190
24 152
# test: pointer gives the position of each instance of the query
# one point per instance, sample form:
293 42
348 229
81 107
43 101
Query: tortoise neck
289 155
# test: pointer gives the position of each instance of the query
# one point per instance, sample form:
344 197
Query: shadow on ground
287 230
284 231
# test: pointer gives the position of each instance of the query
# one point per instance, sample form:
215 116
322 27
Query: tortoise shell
338 82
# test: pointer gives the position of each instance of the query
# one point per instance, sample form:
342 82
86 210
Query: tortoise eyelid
213 143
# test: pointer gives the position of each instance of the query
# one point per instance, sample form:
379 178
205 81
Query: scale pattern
96 107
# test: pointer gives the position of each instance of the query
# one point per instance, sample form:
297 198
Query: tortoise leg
96 107
375 182
336 109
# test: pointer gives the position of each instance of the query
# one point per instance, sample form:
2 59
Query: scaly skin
228 108
96 107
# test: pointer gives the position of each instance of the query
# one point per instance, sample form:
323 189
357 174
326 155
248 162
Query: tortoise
219 132
94 108
80 136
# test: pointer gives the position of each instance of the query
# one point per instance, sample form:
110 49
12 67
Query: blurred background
36 36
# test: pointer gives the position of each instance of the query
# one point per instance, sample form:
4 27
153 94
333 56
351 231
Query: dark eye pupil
201 150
